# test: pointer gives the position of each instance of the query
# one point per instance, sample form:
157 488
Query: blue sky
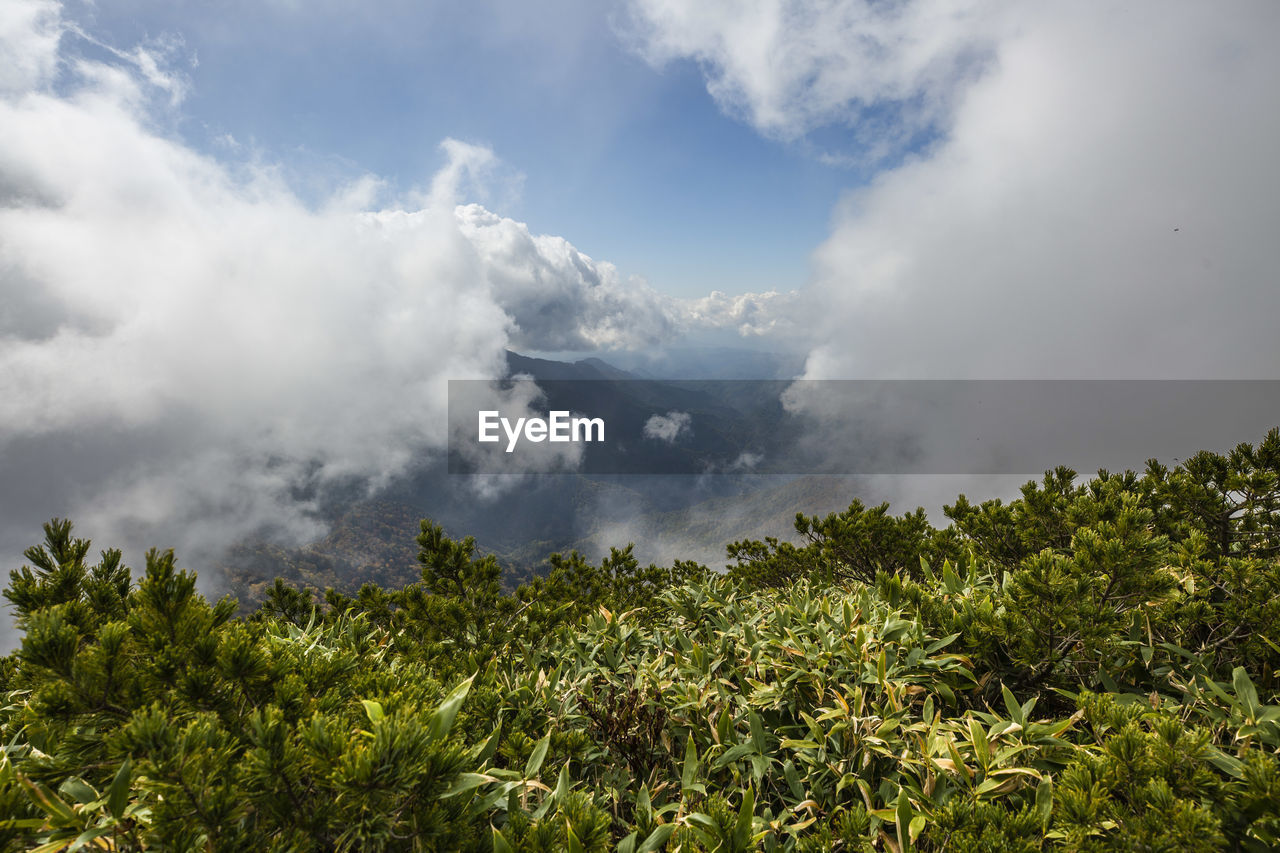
634 164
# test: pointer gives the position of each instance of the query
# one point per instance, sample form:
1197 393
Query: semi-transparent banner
846 426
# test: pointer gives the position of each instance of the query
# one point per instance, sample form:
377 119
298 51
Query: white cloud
668 427
789 66
558 297
1036 235
749 314
561 299
1104 206
189 351
258 345
29 35
1099 202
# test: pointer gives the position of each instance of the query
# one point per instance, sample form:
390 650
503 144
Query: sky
244 244
632 163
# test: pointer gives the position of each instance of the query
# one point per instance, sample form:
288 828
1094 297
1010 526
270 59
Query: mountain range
372 538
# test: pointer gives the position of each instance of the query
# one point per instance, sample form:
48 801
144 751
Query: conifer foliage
1092 666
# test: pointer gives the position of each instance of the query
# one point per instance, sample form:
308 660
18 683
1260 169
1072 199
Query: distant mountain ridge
545 368
371 539
684 363
731 424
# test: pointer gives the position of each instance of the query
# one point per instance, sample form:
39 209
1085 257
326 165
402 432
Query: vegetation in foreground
1088 667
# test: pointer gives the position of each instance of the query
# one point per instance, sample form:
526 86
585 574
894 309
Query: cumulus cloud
1098 201
668 427
561 299
558 297
1104 206
750 315
213 348
790 66
191 352
29 34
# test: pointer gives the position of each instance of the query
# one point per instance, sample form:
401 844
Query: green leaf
1228 764
542 809
467 782
938 645
373 710
574 845
987 786
981 748
56 846
539 755
902 819
1245 691
917 826
690 770
1044 802
628 844
742 831
1178 650
1108 682
657 838
442 720
793 779
1003 728
724 725
789 743
118 793
644 808
757 731
1012 706
733 753
562 784
482 804
50 802
88 835
500 843
1217 689
489 748
78 790
950 580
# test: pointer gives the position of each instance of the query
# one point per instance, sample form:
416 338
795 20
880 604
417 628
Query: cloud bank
1099 200
191 352
1096 195
206 347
